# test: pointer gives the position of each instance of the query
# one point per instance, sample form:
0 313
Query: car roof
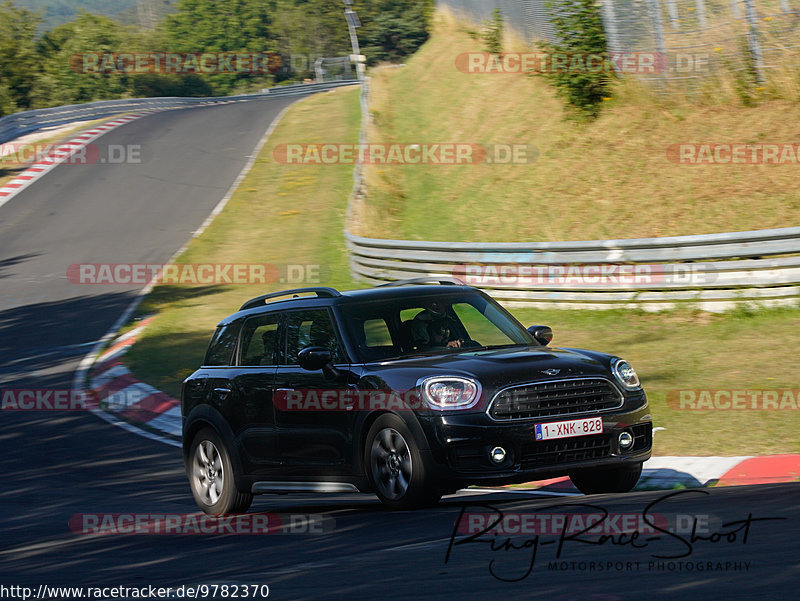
350 296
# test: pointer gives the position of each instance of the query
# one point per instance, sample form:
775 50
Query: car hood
497 368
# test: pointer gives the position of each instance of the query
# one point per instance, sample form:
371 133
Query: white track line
86 363
533 491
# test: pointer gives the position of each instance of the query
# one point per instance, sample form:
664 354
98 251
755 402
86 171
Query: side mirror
542 334
313 358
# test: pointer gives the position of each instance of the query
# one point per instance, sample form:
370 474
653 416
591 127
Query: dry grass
607 179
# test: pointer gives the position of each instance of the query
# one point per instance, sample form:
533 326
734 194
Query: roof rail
322 292
429 280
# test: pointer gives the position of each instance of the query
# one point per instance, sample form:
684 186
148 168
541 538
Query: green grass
606 179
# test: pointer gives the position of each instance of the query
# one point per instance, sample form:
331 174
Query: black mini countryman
407 391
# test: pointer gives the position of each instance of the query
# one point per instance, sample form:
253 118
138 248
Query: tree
63 78
229 26
395 29
19 62
579 26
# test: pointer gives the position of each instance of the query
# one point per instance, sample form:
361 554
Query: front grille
555 452
555 398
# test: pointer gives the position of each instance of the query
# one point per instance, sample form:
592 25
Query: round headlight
625 374
450 392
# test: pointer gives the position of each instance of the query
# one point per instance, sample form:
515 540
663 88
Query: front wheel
211 476
606 480
396 468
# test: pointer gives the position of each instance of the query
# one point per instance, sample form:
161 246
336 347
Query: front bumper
460 446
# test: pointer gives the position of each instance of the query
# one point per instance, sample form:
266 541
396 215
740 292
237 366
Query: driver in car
440 335
431 328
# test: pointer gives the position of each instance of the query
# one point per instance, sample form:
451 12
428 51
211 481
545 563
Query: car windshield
444 323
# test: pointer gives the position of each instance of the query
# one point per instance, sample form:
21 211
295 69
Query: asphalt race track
58 465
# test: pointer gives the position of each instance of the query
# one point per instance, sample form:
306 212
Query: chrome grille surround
565 397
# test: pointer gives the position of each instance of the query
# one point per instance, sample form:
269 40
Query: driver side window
310 328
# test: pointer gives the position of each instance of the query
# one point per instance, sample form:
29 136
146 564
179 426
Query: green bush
493 33
579 27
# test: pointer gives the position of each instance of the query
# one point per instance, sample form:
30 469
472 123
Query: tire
211 476
618 479
395 467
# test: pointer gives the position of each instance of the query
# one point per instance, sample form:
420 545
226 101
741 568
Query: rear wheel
396 468
211 476
608 480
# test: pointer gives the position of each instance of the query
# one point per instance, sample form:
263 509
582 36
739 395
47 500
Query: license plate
569 428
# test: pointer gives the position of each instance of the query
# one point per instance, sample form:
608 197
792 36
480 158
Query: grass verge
611 178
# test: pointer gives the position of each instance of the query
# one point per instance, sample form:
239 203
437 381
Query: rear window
222 345
260 341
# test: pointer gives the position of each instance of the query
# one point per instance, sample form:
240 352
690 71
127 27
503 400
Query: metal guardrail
712 271
17 124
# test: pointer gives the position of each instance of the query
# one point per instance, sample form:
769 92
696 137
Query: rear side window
222 345
260 341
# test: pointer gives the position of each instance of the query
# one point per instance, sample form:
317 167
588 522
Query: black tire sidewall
231 500
420 490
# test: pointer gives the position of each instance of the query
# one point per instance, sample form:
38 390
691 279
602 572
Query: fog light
625 441
497 455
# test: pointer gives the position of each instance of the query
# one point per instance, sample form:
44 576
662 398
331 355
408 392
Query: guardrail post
672 8
752 37
701 12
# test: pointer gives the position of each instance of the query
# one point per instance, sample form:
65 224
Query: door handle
222 393
281 398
